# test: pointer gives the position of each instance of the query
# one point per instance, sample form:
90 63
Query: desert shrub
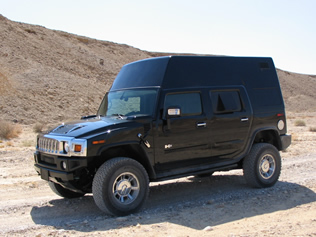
300 123
38 127
312 129
30 31
9 130
83 40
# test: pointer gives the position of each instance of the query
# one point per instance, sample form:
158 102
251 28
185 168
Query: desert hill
49 76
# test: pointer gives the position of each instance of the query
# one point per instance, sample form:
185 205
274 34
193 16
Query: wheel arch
133 151
270 136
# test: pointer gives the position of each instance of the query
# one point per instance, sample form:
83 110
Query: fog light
64 165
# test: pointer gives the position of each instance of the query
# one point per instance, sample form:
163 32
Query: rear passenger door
230 121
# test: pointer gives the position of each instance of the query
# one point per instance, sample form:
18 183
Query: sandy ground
220 205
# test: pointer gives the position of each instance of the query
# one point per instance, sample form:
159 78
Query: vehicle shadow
217 199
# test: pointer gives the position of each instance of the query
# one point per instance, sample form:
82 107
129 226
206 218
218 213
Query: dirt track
221 205
224 203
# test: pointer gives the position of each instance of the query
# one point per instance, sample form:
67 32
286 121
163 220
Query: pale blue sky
282 29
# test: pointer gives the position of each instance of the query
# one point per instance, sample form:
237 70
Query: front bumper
49 174
285 141
58 167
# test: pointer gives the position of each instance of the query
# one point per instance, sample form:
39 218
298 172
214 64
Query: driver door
182 135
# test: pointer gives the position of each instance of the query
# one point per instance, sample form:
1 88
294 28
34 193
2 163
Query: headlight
66 147
72 147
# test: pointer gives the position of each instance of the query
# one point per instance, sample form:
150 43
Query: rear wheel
120 186
262 166
63 192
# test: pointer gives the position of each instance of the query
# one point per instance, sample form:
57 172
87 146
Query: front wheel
120 186
262 166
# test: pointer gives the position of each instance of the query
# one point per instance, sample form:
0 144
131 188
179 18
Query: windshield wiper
119 115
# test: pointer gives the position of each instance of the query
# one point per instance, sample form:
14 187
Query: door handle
245 119
201 124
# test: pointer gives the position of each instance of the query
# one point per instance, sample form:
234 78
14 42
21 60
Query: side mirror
172 112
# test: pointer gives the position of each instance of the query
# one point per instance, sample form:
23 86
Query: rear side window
189 103
225 101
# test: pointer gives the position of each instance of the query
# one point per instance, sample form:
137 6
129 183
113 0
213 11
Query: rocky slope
48 76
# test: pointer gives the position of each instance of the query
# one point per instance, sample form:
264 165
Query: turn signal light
77 148
98 142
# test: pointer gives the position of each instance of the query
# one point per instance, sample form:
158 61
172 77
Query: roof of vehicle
191 71
256 74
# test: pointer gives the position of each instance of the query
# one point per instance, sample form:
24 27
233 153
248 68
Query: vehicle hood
90 127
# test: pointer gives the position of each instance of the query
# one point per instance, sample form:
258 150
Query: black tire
262 166
63 192
120 186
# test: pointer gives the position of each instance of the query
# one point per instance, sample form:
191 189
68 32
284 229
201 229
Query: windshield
134 102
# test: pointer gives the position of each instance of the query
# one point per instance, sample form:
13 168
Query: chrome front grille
60 145
48 145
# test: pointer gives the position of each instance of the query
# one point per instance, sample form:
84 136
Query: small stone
208 228
210 202
121 219
99 218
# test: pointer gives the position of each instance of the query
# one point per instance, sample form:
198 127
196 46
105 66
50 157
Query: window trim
214 106
165 108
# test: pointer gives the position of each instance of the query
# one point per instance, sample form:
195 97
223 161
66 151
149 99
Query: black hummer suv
165 118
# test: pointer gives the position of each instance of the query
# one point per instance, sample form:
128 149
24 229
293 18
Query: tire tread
102 173
250 165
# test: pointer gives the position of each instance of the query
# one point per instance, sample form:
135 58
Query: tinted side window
225 101
189 103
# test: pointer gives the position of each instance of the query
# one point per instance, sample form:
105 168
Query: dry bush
30 31
83 40
9 130
312 129
38 127
300 123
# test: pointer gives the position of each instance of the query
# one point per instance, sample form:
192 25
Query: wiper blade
119 115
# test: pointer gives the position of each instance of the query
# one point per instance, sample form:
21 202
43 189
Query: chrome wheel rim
267 166
125 188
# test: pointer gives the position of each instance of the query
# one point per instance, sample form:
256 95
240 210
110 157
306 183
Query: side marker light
98 142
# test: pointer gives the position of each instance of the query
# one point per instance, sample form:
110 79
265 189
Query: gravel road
220 205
